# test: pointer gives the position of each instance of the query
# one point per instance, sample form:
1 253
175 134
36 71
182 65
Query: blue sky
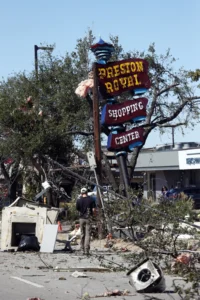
170 24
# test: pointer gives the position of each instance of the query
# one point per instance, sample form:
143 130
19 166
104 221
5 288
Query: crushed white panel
153 276
49 238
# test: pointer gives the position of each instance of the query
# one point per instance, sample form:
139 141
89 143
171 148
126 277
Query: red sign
131 138
120 76
130 110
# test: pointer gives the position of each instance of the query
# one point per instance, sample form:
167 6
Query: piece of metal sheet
49 238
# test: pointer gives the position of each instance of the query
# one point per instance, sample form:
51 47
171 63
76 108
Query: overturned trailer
24 217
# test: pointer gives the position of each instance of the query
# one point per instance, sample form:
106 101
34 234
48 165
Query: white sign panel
91 160
189 159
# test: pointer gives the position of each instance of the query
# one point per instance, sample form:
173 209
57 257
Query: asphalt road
26 275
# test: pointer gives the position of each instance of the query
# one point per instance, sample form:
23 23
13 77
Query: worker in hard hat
86 207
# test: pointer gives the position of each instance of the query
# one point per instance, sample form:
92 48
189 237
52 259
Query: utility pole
173 140
36 61
36 48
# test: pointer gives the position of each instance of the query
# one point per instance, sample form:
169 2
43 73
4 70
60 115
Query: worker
86 207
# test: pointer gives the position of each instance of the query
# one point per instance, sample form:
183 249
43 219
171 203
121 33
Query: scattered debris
113 293
109 244
43 267
77 274
34 298
116 293
32 275
184 258
90 269
124 249
82 269
28 243
193 245
83 87
109 241
85 296
185 237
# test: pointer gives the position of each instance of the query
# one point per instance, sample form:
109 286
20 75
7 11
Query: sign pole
97 147
121 159
93 165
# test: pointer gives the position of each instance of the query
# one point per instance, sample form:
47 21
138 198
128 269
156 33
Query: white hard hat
83 190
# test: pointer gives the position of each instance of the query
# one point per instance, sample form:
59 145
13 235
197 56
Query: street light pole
173 139
36 61
36 48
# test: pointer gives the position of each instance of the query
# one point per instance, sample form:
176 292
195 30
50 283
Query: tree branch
155 96
148 119
104 130
79 133
177 111
167 89
172 125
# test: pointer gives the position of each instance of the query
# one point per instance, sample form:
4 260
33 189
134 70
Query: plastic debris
28 243
77 274
114 293
184 258
34 298
85 296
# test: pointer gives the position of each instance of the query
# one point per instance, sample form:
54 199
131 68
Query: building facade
171 167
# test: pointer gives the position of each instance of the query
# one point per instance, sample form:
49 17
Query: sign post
111 79
97 147
102 52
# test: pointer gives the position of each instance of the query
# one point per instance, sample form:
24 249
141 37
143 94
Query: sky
169 24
